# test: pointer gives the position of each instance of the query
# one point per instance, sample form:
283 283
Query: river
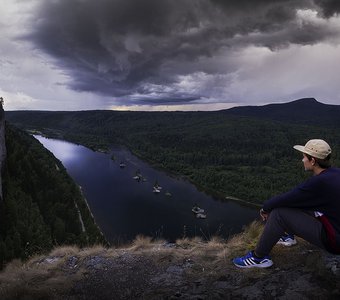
124 207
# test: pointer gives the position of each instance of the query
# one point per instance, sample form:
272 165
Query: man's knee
277 212
282 213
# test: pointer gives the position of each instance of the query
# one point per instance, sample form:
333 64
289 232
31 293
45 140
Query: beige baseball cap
316 148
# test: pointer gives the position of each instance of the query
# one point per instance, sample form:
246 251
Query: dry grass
206 254
245 241
215 255
64 251
143 243
189 243
92 251
46 275
41 277
30 281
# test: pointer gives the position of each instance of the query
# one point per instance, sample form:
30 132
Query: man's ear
313 161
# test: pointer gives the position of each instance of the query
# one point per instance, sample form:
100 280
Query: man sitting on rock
311 210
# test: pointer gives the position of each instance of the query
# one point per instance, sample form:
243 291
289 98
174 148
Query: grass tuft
189 243
92 251
245 241
141 242
64 251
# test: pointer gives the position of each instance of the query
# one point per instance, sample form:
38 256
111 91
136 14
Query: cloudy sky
167 54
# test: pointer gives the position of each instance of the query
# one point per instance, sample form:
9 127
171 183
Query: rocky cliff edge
187 269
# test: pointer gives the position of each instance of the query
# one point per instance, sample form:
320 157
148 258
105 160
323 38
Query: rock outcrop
188 269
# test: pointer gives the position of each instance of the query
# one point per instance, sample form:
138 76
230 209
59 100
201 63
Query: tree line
39 202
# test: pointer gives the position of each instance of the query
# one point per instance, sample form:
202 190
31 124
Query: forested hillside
227 155
42 205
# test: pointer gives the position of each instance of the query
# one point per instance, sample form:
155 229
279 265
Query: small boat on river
155 190
201 216
157 186
199 212
122 165
138 176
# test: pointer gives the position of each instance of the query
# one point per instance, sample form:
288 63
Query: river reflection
124 207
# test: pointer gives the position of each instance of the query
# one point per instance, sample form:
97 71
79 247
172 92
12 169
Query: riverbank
187 269
92 216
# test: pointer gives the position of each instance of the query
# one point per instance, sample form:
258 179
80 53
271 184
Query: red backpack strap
330 232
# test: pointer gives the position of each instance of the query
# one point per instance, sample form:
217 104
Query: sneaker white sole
287 244
266 264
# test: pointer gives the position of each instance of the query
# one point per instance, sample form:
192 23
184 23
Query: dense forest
224 153
42 205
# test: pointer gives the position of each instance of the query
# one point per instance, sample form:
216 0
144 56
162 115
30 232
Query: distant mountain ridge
307 111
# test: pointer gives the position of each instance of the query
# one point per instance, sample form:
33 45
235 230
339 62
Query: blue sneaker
287 240
250 261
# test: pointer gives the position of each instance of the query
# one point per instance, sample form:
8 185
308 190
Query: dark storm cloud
329 8
120 47
173 100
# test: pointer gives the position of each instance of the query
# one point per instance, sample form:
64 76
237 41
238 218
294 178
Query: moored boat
155 190
197 210
201 216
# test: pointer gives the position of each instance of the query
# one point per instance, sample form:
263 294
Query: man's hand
264 215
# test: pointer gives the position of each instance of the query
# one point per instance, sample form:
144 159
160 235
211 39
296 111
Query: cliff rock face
189 269
2 145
